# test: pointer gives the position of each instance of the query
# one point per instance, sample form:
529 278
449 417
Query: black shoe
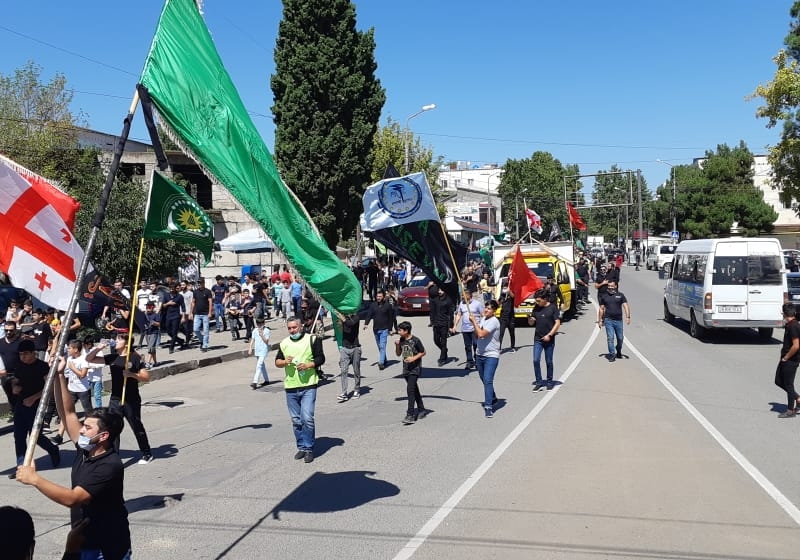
495 400
300 455
788 414
550 386
619 355
381 366
58 439
13 475
309 457
204 349
254 386
537 387
409 419
469 365
611 357
440 363
171 350
422 413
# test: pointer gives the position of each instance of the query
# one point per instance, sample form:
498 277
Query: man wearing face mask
301 355
612 306
97 479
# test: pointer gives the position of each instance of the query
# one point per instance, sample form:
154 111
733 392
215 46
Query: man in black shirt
97 479
612 306
201 312
442 311
350 353
545 317
27 386
787 367
9 353
411 350
382 315
125 377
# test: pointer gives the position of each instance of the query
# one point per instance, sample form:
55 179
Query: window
444 183
690 268
751 270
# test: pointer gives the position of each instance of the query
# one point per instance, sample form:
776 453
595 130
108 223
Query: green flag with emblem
201 110
173 214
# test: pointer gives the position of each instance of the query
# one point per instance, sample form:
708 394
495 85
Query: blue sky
595 83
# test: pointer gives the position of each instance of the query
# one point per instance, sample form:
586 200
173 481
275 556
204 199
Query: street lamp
674 207
516 211
408 134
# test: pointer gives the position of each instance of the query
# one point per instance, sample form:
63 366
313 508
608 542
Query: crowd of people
184 311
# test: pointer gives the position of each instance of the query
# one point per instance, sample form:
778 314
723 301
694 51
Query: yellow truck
554 259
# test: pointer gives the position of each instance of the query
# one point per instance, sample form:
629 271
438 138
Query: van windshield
667 249
540 269
752 270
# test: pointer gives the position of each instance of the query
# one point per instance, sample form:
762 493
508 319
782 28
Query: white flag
37 249
398 201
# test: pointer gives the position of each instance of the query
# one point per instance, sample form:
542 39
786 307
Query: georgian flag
37 248
534 220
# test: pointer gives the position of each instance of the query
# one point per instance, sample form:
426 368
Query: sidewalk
220 349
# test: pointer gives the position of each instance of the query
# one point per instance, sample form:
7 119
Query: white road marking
729 448
412 545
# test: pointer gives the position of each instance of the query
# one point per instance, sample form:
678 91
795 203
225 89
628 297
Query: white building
473 205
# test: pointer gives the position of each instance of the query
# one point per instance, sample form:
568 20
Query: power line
575 144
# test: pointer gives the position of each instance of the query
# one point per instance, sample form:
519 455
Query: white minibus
738 282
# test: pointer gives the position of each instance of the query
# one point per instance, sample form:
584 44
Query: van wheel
695 330
666 267
765 333
668 317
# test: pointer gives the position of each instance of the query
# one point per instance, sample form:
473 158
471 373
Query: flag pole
452 257
132 320
97 223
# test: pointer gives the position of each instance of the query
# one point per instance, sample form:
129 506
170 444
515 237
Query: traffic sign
675 235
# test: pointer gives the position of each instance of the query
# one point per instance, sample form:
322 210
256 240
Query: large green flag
173 214
196 100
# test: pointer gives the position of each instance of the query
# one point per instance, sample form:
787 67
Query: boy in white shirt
76 370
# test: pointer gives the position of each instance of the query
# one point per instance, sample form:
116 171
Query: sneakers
309 457
254 386
146 458
356 395
550 386
512 350
619 355
470 365
342 398
299 455
611 357
537 387
422 413
409 419
488 412
788 414
381 366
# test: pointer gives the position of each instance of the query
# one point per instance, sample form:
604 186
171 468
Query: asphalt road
674 452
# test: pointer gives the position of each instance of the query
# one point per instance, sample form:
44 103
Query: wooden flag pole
132 320
97 222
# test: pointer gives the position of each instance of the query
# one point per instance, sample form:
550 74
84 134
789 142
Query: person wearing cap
220 291
27 387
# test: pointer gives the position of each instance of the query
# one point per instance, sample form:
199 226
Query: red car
414 297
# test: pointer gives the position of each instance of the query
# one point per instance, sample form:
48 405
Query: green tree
782 105
39 132
327 106
720 194
537 181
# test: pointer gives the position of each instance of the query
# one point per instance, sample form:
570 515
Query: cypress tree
327 106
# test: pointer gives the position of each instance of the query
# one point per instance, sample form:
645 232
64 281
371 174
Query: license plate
416 305
795 296
729 309
525 310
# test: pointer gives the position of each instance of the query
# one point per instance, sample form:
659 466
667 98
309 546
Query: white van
727 283
659 257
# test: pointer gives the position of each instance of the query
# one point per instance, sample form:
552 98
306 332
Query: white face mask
85 443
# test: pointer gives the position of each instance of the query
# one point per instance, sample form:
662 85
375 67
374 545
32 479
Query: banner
575 219
522 281
398 201
202 111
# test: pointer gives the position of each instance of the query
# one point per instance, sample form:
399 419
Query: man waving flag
37 248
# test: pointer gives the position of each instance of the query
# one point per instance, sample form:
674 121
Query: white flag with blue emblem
397 201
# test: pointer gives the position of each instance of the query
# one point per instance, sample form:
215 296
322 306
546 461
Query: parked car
793 286
660 257
414 297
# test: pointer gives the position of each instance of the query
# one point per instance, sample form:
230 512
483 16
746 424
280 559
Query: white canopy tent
246 241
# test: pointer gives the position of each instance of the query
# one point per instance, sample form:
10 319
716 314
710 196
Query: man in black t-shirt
27 386
125 377
545 317
412 351
350 353
9 352
220 290
201 313
787 367
613 305
96 492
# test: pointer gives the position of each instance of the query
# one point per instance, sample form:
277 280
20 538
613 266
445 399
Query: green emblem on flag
173 214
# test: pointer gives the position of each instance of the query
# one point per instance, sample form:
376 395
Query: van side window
690 268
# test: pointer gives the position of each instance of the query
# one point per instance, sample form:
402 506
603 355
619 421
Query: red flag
575 219
37 249
521 280
64 204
